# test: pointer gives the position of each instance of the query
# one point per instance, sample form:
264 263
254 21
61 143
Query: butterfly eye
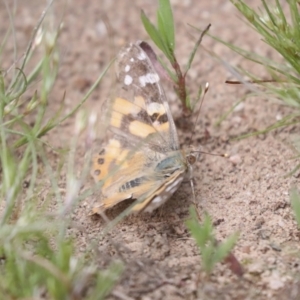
191 159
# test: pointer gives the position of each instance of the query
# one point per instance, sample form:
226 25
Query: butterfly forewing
137 75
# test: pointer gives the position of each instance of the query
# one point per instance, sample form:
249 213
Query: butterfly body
140 158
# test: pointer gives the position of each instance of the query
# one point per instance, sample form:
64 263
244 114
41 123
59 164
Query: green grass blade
165 22
155 36
196 46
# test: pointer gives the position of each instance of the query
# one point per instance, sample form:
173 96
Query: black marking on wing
162 119
132 183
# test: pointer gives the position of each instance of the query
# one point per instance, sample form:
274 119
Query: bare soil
246 193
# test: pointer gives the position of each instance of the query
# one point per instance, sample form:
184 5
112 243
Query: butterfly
140 158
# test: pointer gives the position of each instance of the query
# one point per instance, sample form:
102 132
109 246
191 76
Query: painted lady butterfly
141 158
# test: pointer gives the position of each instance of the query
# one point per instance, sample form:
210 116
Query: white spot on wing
174 186
127 68
169 188
141 56
177 181
157 199
148 78
164 195
155 107
128 80
132 59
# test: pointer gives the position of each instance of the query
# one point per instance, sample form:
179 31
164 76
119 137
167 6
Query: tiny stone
264 234
256 268
275 247
246 249
259 222
235 159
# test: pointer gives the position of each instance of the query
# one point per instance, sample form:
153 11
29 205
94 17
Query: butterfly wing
142 112
141 150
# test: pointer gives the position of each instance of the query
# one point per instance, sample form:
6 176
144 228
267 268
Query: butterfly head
190 158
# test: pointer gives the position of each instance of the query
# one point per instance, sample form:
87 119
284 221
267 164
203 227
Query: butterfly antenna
194 129
213 154
252 81
201 102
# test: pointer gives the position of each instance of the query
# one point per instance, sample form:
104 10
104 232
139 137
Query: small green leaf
201 233
212 252
295 202
225 247
168 50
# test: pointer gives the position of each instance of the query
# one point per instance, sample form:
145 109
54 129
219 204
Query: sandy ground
246 193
